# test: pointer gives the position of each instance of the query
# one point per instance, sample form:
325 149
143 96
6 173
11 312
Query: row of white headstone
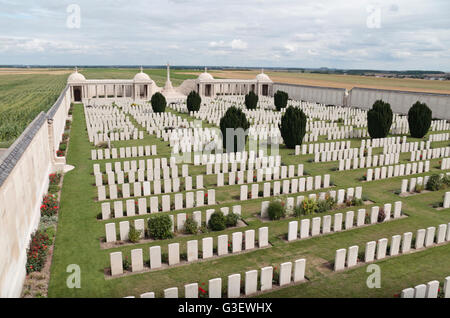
124 152
287 275
144 164
290 186
181 200
139 224
369 161
137 260
430 154
423 239
430 290
397 170
247 165
410 185
322 225
445 163
323 146
122 190
439 137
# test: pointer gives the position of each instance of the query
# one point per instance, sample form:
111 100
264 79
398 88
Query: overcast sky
404 34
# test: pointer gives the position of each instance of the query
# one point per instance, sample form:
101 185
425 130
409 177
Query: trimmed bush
234 118
379 119
280 99
251 100
217 221
293 127
193 101
434 183
158 103
190 226
276 210
231 219
419 119
160 227
134 235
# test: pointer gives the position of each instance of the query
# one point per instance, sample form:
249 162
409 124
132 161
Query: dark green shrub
158 103
419 119
251 100
160 227
191 226
379 119
193 101
280 99
357 202
217 221
325 205
234 118
134 235
231 219
293 127
276 210
62 147
434 183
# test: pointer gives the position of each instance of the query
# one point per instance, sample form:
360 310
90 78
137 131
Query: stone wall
400 101
322 95
24 171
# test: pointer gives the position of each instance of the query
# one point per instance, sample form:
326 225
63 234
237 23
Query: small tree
251 100
160 227
193 101
231 219
276 210
190 226
233 119
419 119
280 99
134 235
379 119
158 103
293 127
217 221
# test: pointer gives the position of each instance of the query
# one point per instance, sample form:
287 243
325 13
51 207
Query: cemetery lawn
79 232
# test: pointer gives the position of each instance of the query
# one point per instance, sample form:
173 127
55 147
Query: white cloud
238 44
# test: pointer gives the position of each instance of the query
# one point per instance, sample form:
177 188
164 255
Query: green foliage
293 127
133 234
234 118
193 101
231 219
434 182
307 207
419 119
160 227
379 119
276 210
325 205
251 100
190 226
217 221
357 202
158 103
280 99
62 147
37 252
419 188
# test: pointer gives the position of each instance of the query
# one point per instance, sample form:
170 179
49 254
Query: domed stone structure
142 77
76 77
263 77
205 76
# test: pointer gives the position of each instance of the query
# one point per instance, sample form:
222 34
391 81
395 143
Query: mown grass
79 233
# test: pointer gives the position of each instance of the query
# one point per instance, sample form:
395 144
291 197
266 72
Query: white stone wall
24 178
322 95
400 101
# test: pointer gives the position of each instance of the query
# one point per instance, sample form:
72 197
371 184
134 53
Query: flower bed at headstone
49 205
37 252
